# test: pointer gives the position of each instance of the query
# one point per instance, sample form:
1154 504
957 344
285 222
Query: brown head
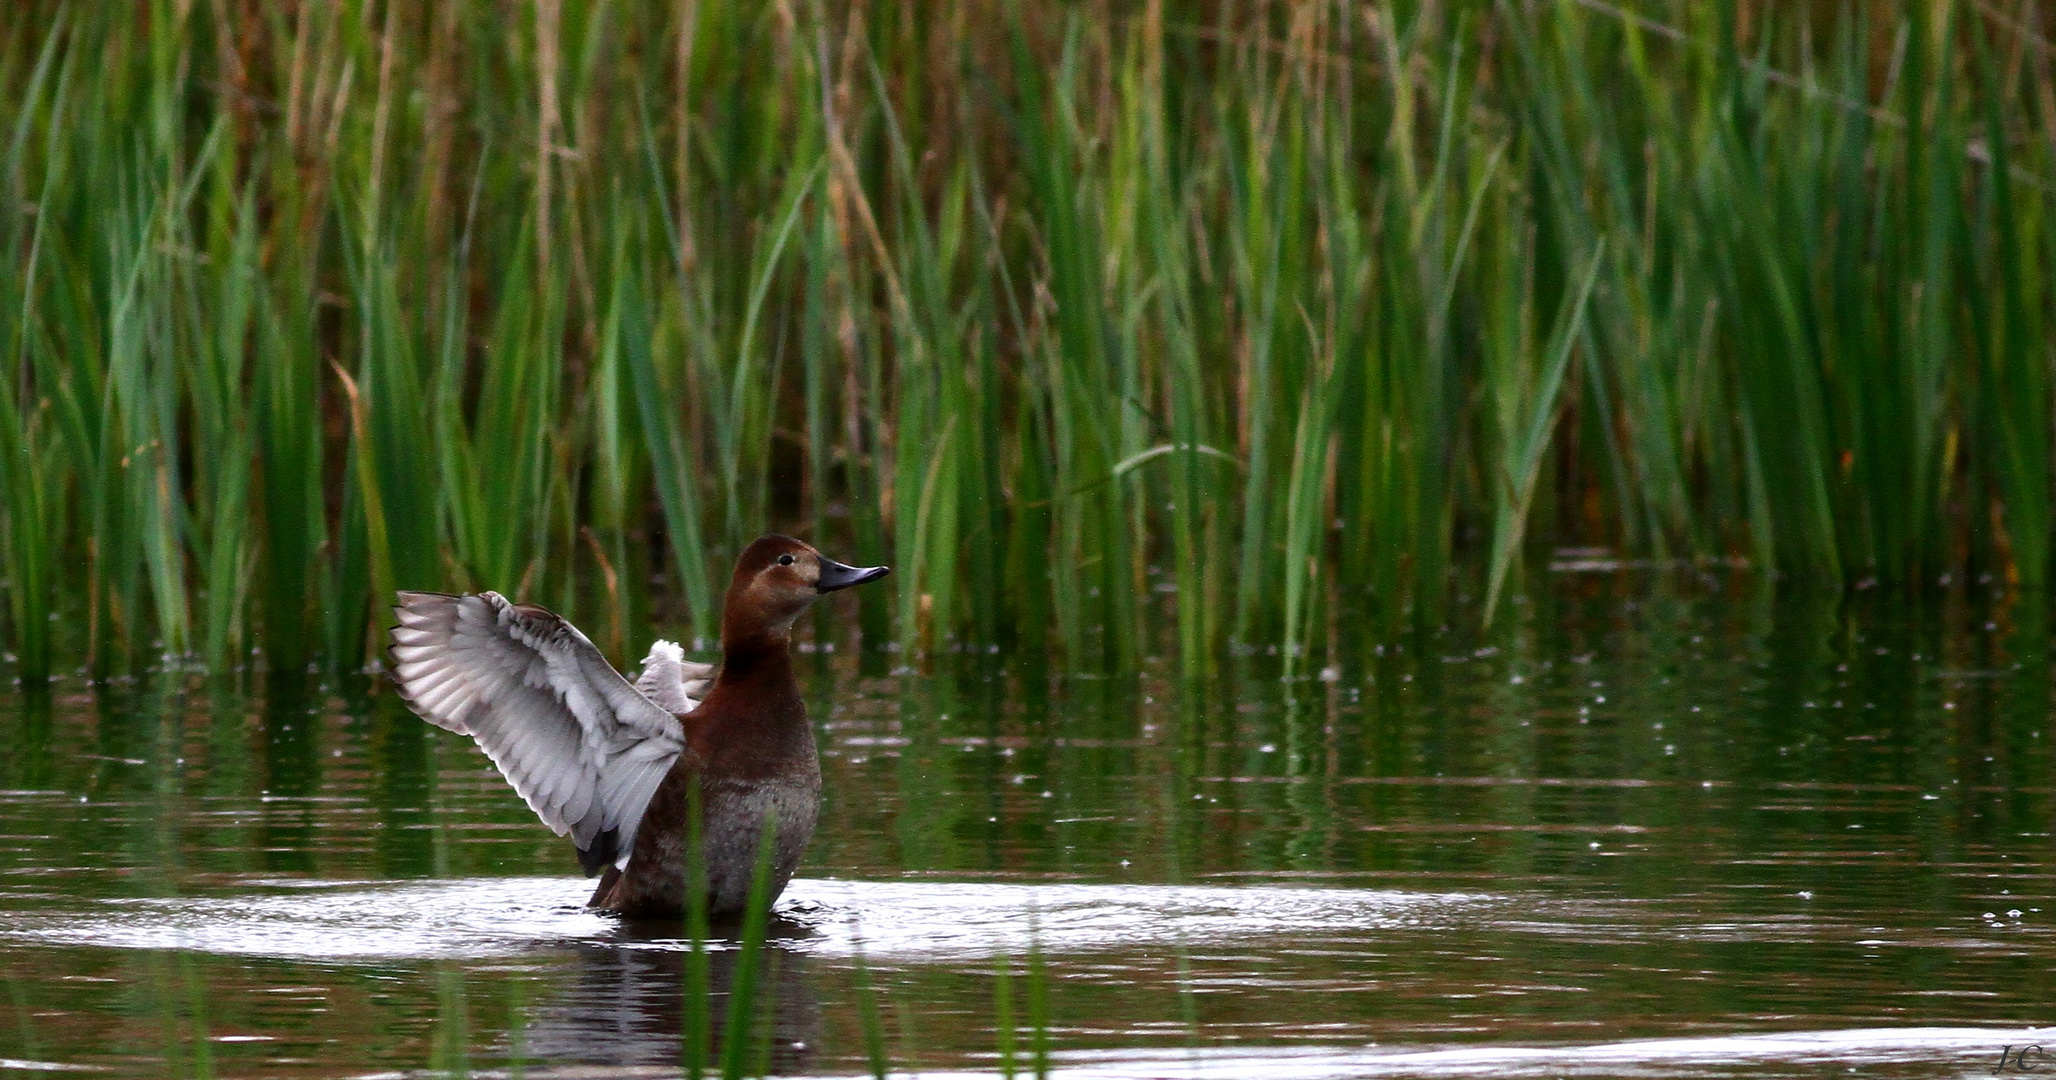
775 580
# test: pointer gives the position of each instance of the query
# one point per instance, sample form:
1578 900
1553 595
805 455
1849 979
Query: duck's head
776 579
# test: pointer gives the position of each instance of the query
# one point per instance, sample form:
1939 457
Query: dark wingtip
602 854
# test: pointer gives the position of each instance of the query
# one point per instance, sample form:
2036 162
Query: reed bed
1283 309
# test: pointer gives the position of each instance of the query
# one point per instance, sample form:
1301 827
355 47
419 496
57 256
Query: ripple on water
916 920
1870 1052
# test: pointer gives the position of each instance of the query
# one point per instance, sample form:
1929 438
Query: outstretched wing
584 748
673 682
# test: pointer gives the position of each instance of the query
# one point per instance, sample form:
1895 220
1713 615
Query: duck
618 765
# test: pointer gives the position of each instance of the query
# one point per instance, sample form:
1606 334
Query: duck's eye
785 560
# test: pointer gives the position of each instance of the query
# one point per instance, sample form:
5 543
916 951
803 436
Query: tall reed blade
739 1041
1162 331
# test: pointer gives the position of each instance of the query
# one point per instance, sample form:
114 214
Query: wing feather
581 746
672 681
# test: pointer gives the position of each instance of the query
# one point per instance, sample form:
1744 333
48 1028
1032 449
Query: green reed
1052 308
746 1040
698 1011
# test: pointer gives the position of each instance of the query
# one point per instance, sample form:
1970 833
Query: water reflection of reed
624 1003
1664 779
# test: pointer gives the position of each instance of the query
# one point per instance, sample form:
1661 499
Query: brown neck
762 659
756 656
754 720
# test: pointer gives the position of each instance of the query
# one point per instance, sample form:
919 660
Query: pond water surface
1635 830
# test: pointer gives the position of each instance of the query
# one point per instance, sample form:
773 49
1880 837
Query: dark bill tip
835 575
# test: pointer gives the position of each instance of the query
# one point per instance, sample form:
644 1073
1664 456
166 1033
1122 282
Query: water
1636 830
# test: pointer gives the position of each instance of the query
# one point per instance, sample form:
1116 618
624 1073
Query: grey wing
672 681
581 746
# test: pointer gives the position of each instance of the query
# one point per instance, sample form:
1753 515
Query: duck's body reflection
625 1002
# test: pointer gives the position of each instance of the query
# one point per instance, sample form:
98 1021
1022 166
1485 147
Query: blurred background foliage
1276 312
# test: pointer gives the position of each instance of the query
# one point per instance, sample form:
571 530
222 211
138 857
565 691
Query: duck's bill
835 575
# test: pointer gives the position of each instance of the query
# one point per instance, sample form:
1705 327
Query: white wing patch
581 746
673 682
